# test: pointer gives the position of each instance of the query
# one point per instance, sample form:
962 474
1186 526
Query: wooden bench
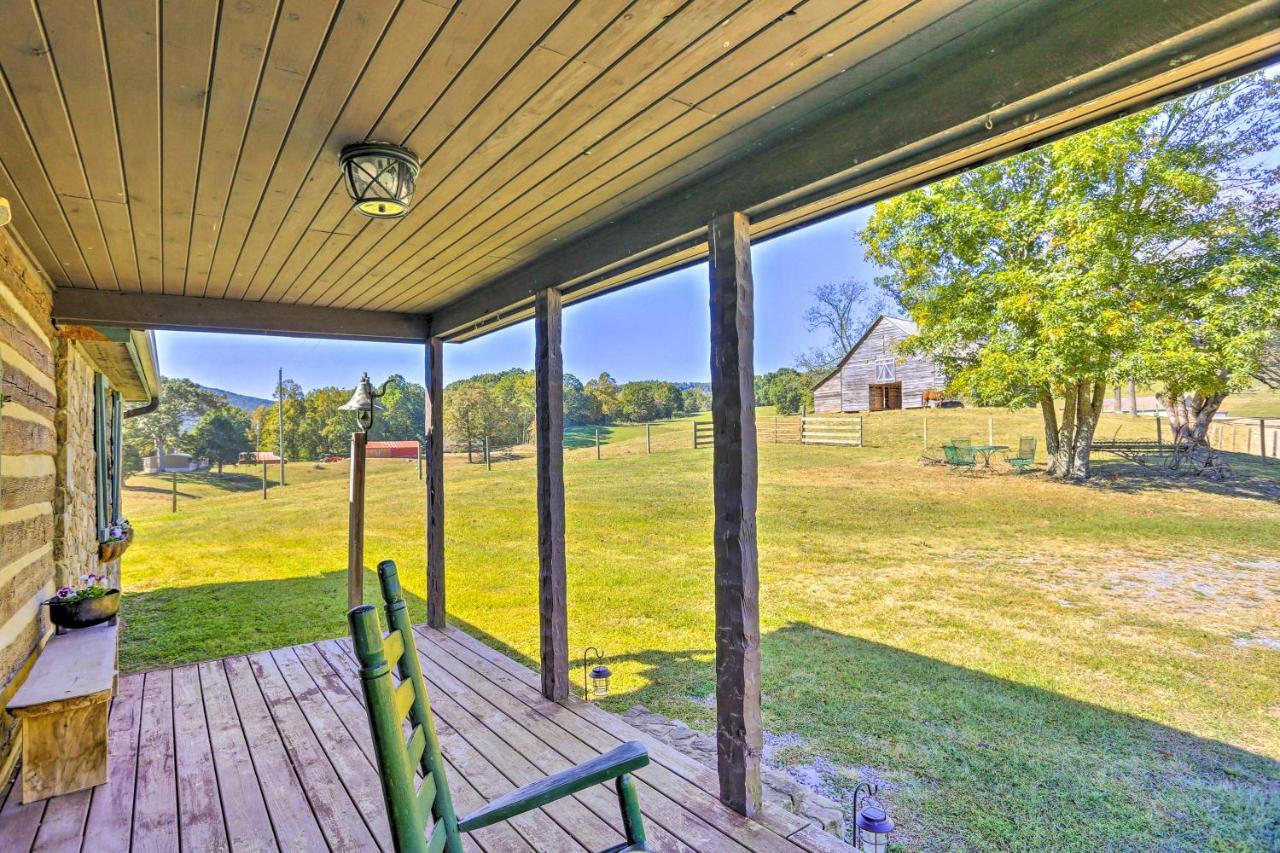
63 707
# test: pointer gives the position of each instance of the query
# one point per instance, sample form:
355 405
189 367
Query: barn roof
905 326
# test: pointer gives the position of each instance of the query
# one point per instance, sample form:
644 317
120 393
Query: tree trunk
1088 409
1191 414
1069 440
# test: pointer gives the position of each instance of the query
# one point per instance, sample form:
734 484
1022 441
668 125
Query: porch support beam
433 430
76 306
548 365
739 737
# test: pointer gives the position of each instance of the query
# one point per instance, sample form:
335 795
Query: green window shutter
117 453
101 449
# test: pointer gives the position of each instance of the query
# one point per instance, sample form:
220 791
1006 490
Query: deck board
271 751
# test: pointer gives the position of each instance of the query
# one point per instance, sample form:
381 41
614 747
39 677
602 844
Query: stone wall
75 544
28 473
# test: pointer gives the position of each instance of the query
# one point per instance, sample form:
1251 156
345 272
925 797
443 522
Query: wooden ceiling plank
337 73
301 29
187 34
635 82
405 40
18 157
667 46
74 29
862 137
463 32
535 67
29 228
131 35
743 36
510 39
27 59
75 32
676 141
244 32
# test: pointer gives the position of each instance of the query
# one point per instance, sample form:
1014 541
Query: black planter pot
84 613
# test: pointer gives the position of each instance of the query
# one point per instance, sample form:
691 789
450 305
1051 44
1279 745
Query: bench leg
64 750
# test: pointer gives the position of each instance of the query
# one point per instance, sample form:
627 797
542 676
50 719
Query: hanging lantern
872 823
380 178
596 681
364 401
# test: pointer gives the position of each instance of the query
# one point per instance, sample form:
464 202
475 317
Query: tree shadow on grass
576 438
971 761
229 482
1251 477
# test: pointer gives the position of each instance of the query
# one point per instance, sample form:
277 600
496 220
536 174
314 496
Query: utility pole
280 411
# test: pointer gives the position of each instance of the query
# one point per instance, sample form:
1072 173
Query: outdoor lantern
364 401
598 677
872 824
380 178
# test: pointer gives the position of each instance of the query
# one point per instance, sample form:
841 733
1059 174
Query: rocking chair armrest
624 759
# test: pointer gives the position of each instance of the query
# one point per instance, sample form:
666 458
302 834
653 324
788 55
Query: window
107 444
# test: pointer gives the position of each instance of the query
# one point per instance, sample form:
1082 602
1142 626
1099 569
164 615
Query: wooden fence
1257 436
846 431
793 430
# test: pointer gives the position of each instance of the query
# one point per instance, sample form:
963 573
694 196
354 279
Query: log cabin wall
48 487
847 389
28 474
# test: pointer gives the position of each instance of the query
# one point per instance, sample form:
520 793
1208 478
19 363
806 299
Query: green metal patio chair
421 816
1026 455
959 456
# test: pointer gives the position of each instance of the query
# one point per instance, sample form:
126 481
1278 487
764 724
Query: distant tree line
195 420
499 407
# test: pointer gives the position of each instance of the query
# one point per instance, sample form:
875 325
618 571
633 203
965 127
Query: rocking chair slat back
410 808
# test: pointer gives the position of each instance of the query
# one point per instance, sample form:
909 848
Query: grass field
1021 664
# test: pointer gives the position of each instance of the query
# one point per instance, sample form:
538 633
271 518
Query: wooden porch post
434 452
548 366
738 729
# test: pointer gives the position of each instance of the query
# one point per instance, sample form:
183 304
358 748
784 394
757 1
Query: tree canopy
1146 248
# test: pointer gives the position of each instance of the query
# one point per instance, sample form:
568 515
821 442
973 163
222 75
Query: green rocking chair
422 816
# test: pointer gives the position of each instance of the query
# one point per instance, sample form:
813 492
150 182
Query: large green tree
182 403
1144 248
220 436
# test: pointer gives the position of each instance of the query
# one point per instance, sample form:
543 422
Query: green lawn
1022 664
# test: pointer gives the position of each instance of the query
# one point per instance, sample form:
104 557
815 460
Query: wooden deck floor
271 751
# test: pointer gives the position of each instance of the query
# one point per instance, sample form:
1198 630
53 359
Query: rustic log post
488 461
648 439
419 460
1159 432
1133 398
264 481
1262 437
739 736
548 365
433 429
355 521
175 491
597 444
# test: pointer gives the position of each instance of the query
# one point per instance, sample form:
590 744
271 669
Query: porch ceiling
190 150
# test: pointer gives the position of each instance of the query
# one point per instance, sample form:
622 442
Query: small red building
393 450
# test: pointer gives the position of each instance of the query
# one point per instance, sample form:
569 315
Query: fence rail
793 429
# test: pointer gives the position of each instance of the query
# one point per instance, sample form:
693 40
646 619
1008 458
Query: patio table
986 450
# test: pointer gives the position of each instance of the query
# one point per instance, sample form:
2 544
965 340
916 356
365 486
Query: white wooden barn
872 376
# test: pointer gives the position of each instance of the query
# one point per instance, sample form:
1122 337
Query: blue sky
655 330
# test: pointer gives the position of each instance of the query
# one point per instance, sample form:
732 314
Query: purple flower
65 592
